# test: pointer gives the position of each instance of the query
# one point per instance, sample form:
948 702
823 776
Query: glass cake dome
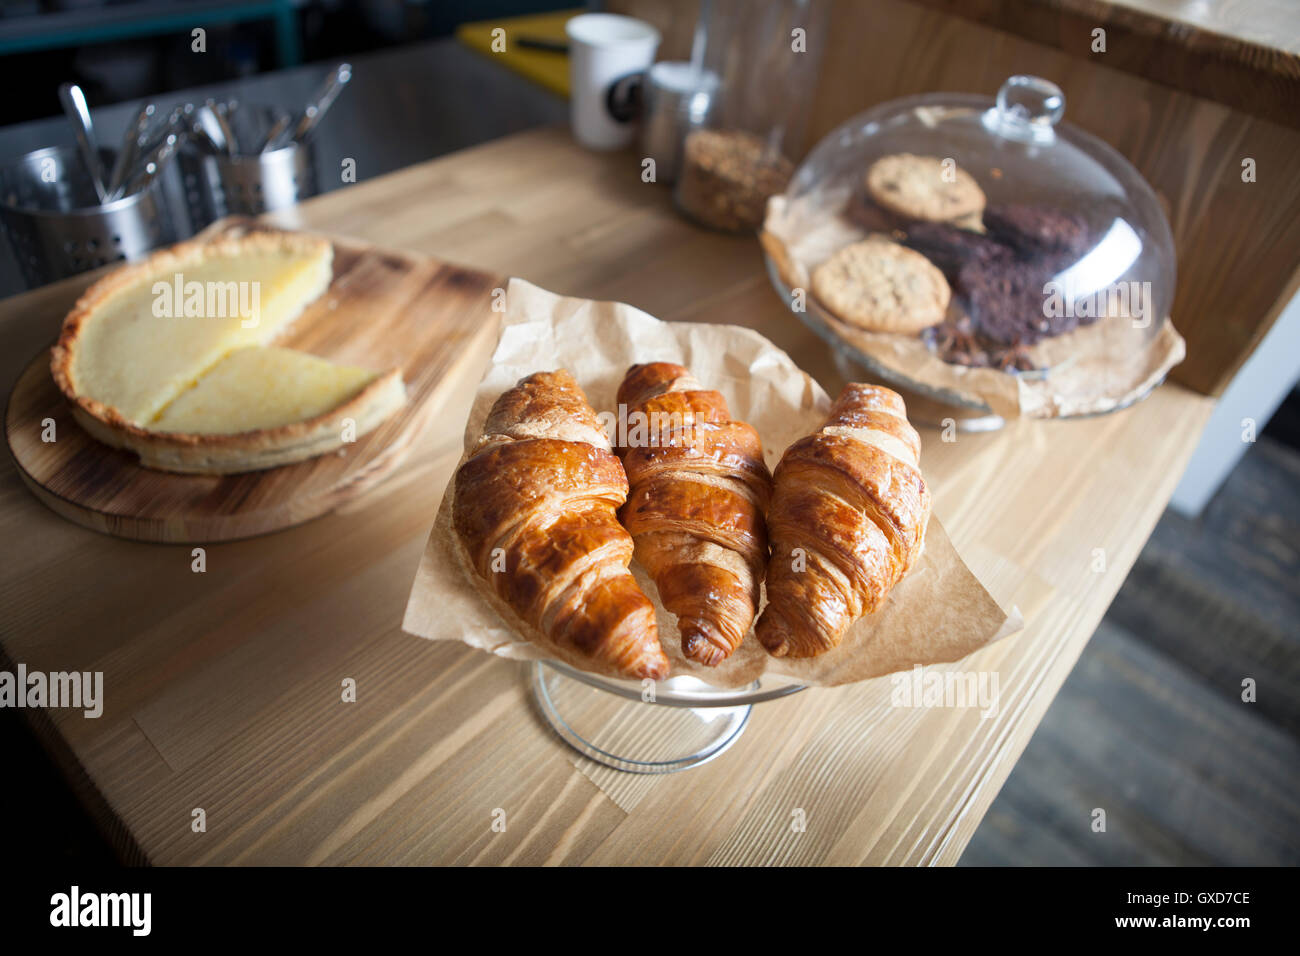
1058 258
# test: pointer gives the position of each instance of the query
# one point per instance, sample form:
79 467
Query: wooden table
223 688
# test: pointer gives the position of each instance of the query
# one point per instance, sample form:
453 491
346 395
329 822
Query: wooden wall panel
1244 54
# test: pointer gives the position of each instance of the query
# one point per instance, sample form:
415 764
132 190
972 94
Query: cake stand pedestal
651 727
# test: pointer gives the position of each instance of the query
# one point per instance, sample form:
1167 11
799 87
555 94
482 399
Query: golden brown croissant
847 521
535 509
699 489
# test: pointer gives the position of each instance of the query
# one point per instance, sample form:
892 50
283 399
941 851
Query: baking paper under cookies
938 613
1095 368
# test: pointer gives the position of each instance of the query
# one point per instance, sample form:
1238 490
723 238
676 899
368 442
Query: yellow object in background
544 67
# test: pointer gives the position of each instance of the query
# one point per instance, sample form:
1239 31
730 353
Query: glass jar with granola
758 61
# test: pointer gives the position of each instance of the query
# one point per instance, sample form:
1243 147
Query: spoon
208 122
219 115
74 105
316 108
273 135
128 153
153 164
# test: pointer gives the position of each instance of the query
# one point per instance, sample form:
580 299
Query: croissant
535 509
847 521
699 489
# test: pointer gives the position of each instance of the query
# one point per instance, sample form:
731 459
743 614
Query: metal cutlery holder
217 186
50 215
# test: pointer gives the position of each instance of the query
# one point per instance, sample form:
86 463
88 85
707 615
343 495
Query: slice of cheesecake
262 407
168 358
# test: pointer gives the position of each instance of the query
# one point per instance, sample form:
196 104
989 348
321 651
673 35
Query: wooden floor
1149 727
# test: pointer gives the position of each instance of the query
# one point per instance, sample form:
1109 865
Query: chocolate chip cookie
878 285
923 187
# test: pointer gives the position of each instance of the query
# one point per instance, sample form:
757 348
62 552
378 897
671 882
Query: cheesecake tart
172 358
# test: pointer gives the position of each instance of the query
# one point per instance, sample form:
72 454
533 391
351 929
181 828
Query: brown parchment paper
1093 369
938 613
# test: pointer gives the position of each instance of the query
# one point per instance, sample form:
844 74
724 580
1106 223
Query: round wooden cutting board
384 309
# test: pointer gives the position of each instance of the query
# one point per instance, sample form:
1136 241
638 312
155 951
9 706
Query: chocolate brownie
1035 231
869 216
960 343
951 248
1006 301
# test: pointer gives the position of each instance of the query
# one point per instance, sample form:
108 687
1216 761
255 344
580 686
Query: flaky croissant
535 508
699 489
847 522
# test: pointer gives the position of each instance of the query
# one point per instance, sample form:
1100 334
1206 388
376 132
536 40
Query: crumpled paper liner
1095 368
938 613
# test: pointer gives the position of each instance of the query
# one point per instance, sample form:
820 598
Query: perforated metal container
55 226
217 186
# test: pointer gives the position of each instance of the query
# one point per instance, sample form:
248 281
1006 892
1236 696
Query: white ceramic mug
605 48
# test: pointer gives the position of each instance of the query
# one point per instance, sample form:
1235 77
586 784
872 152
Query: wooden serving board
384 309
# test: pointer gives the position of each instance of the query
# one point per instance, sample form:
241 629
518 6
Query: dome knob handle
1027 109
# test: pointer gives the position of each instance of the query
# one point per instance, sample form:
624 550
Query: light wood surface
383 310
223 688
